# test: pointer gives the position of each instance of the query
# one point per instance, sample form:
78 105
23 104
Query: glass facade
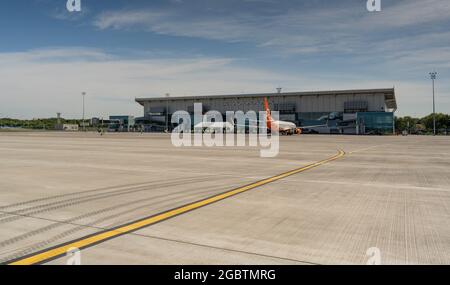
363 123
367 123
120 123
375 122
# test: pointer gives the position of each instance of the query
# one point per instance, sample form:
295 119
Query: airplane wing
308 127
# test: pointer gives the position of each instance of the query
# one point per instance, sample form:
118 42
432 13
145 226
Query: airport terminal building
369 111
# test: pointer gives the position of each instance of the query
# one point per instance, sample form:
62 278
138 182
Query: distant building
369 111
59 124
70 127
64 127
95 122
122 123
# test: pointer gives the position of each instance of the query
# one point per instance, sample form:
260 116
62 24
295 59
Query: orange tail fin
268 116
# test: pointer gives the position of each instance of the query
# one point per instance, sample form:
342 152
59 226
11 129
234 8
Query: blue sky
118 50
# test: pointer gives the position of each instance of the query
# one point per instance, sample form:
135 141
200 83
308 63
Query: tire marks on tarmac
169 200
80 198
156 202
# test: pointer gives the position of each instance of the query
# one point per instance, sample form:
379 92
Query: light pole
83 94
167 112
433 78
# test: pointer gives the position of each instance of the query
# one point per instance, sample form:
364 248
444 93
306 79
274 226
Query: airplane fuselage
283 127
215 126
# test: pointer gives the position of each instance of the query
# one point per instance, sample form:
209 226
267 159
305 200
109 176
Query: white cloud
51 54
169 23
36 84
39 83
125 19
413 13
334 29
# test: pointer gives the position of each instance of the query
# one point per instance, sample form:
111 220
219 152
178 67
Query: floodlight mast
83 94
167 112
433 78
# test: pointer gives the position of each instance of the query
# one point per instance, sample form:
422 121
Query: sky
117 50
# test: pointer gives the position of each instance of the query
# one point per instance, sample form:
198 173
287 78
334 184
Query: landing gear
287 133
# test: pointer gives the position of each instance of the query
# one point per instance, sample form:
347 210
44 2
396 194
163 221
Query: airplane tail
268 116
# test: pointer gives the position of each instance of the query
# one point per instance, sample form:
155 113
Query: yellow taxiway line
60 250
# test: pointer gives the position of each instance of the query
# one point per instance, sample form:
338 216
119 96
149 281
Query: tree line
423 125
36 124
412 125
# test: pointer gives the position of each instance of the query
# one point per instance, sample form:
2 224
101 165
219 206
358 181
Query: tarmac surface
392 193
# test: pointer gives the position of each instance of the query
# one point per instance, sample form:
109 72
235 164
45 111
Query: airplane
283 127
213 126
